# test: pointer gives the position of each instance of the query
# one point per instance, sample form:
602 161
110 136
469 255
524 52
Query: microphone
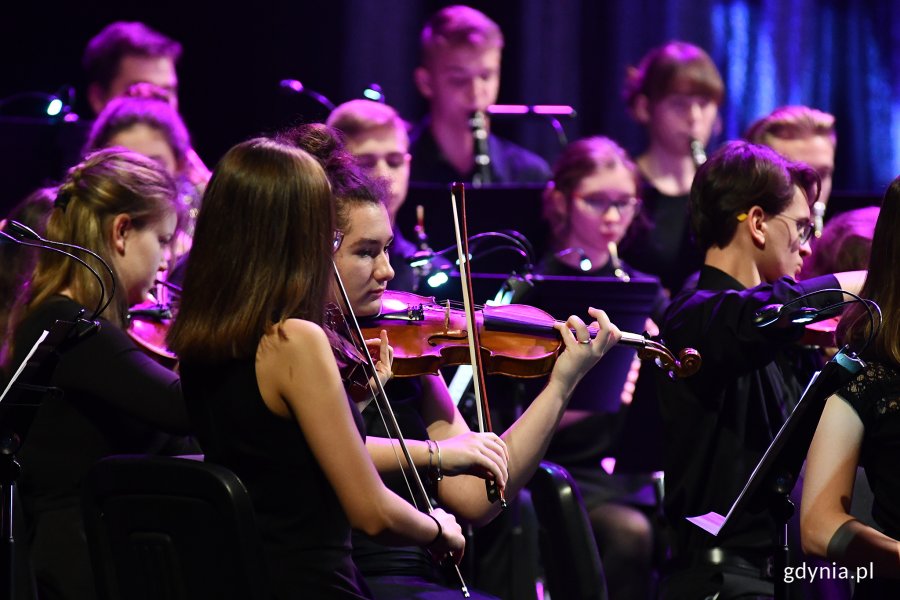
782 316
420 258
584 263
26 236
698 152
292 86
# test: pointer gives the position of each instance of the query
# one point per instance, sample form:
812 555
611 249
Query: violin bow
458 204
390 422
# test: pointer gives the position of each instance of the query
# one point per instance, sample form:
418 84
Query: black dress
404 571
116 401
660 242
875 396
305 532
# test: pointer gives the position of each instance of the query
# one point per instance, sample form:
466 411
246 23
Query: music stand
19 404
489 208
774 477
628 305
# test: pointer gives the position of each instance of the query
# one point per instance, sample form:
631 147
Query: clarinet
478 124
818 214
421 269
616 262
698 152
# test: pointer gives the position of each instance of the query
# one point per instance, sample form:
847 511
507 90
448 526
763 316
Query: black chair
171 528
570 557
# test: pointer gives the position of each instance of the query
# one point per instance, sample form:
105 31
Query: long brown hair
106 183
882 285
261 252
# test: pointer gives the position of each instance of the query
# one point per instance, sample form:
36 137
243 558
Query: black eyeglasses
602 203
394 160
805 228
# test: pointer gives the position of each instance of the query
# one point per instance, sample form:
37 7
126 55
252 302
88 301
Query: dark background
839 56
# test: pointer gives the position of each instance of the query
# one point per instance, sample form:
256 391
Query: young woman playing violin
261 382
116 400
440 441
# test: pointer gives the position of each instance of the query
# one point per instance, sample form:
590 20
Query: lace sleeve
874 392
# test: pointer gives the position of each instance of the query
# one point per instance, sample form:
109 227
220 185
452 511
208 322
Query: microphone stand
30 386
23 396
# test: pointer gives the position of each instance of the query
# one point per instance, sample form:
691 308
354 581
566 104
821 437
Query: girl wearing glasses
590 203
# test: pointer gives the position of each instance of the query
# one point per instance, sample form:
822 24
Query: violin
516 340
148 325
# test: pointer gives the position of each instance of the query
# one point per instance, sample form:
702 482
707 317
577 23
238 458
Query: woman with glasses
589 204
750 213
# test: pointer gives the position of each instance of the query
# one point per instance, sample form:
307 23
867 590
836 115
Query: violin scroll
687 363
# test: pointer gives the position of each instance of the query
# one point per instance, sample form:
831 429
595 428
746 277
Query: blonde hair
458 26
358 117
106 183
792 123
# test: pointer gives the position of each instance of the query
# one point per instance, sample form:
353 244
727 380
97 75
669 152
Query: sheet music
24 362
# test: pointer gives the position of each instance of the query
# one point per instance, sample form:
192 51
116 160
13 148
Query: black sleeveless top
305 532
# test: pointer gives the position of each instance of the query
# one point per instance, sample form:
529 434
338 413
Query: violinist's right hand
450 540
483 455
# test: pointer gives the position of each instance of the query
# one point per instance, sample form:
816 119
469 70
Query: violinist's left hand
581 352
383 355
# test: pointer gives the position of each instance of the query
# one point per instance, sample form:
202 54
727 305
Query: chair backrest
171 528
571 560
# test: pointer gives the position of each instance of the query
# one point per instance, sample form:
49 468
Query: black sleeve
724 321
108 365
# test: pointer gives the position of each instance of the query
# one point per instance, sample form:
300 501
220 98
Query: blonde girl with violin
116 400
455 460
262 384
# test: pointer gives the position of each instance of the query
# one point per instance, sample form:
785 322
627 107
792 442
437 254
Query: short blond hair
458 26
358 117
792 123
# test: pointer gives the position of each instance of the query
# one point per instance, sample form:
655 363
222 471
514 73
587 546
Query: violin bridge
447 316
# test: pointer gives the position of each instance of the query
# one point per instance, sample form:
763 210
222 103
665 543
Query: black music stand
19 404
489 208
773 479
